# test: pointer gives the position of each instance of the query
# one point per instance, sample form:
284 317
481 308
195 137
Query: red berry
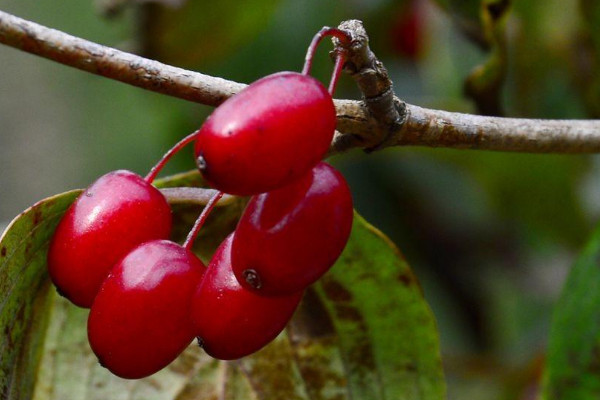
288 238
270 133
140 319
230 321
407 31
115 214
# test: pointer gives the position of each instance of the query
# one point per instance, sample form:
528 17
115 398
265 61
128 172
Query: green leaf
24 293
573 359
363 332
387 334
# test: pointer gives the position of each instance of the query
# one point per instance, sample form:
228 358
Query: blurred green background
491 236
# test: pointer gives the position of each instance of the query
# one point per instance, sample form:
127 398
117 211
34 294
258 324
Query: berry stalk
189 241
340 59
341 35
174 150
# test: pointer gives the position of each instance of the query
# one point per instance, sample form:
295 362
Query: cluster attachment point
111 251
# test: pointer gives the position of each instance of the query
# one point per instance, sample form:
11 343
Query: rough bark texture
380 120
114 64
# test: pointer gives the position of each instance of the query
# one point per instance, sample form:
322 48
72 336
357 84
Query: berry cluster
148 296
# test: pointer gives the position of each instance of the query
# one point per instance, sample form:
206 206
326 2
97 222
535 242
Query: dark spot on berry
201 162
229 132
252 278
3 252
89 194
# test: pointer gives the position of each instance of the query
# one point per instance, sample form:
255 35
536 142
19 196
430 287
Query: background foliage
490 236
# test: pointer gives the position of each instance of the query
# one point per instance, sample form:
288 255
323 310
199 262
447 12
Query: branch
114 64
435 128
380 120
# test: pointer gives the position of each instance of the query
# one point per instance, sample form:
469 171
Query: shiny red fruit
140 319
270 133
288 238
115 214
230 321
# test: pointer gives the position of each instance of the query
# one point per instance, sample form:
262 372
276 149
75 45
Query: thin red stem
340 59
174 150
189 241
343 36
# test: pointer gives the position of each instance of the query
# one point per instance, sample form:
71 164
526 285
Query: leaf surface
573 359
24 293
363 332
387 335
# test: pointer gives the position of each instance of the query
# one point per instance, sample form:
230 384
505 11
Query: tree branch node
373 80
